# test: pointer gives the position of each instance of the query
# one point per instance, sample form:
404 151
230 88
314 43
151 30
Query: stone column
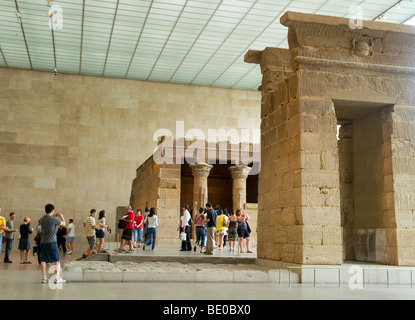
200 173
239 175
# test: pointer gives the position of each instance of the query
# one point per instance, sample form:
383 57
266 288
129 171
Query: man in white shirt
184 226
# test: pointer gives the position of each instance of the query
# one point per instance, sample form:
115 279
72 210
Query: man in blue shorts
49 251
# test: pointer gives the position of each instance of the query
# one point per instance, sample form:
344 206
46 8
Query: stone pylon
332 74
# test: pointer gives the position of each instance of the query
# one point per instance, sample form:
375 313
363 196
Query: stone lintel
351 65
290 17
253 56
337 39
271 59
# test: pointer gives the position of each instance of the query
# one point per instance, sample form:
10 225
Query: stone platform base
127 271
168 264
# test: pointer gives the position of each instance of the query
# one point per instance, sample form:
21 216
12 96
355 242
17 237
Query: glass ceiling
198 42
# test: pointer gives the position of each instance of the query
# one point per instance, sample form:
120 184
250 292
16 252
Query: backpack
190 222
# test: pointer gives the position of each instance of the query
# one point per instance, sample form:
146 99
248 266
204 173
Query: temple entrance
219 186
361 167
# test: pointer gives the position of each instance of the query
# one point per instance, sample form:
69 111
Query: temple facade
326 197
216 178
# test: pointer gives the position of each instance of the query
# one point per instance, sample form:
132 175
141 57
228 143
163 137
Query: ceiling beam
387 10
197 39
223 42
109 41
252 42
4 58
167 40
412 17
24 36
82 37
139 38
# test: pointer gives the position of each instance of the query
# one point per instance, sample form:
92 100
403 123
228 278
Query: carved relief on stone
362 48
240 171
201 169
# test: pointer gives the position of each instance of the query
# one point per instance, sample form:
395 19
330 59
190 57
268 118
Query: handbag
247 225
121 224
183 236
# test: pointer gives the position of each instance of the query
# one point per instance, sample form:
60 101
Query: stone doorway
219 186
362 171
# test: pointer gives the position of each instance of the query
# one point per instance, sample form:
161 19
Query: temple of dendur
194 173
336 164
325 195
324 200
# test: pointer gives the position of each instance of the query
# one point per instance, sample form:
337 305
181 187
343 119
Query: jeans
151 231
140 235
9 243
135 234
200 235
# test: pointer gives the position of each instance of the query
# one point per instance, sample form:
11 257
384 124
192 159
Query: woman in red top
138 231
127 234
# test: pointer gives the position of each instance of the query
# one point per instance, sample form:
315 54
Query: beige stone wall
76 141
399 195
299 208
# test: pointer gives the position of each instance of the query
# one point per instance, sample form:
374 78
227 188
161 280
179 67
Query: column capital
240 171
201 169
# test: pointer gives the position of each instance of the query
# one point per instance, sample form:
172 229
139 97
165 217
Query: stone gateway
324 199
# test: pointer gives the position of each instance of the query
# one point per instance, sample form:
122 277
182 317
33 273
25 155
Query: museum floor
23 282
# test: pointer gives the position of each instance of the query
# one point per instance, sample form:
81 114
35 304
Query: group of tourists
8 233
45 240
138 229
214 228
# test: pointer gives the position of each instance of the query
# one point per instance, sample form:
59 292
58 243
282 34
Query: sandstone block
319 215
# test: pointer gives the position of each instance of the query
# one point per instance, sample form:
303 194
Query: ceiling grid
199 42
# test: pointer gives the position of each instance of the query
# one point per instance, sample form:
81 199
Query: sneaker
69 252
60 280
45 280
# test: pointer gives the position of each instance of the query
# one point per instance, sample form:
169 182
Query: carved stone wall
337 74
